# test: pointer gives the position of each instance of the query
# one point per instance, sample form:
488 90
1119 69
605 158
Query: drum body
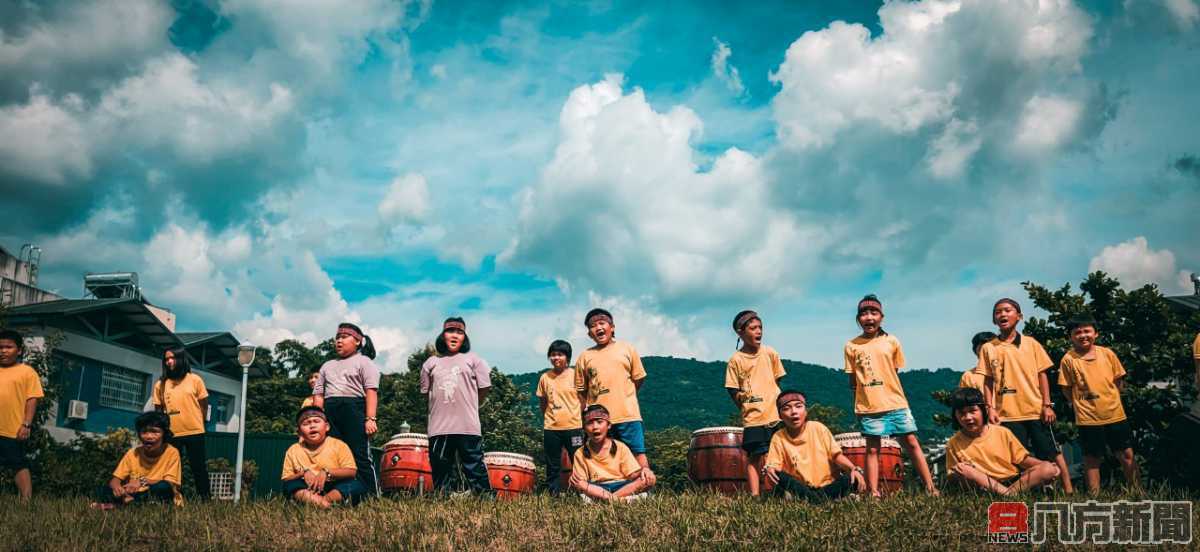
891 461
511 475
405 465
716 460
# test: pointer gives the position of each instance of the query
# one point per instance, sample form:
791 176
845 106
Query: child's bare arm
118 488
337 474
27 420
733 394
637 384
543 404
1048 415
1120 383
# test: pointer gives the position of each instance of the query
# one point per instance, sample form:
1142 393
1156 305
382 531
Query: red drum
891 462
716 460
510 474
406 464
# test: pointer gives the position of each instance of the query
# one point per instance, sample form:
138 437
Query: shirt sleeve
483 373
541 388
951 456
848 359
637 372
156 393
775 454
172 471
629 463
580 375
199 388
1196 347
318 389
984 366
731 378
1016 450
777 365
344 458
1042 359
1117 368
579 465
370 373
125 467
289 465
426 376
33 386
1062 372
898 355
834 448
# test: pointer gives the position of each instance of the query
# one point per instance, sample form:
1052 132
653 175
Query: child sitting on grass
320 470
988 456
148 473
802 457
604 468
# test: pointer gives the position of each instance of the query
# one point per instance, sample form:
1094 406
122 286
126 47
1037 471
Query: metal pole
237 478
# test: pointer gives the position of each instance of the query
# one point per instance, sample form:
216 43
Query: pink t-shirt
453 384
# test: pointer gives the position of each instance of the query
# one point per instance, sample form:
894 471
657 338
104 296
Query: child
20 389
752 380
1093 377
971 378
319 470
312 384
347 389
1017 388
149 473
873 360
988 456
610 374
182 396
803 457
456 382
604 468
561 425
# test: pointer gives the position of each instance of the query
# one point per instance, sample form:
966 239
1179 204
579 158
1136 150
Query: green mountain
691 394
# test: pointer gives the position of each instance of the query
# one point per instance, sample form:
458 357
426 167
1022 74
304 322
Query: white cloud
725 71
1185 12
1047 123
407 200
950 153
1134 264
44 141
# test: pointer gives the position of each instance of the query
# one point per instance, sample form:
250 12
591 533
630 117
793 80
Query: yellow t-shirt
997 452
1196 347
808 456
18 383
164 468
308 401
875 363
182 402
562 401
1014 368
332 454
756 377
606 375
1093 387
604 467
974 380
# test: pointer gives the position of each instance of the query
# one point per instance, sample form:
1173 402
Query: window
221 406
122 388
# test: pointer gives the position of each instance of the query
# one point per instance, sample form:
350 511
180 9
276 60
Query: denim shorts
892 422
630 433
612 486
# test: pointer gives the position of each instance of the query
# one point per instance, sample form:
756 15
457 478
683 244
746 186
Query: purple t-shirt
453 384
347 377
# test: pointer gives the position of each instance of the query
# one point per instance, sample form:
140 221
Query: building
18 277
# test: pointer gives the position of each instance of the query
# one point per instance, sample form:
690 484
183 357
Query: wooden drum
406 464
510 474
716 460
891 462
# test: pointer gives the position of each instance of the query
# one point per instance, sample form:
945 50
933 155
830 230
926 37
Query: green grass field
665 521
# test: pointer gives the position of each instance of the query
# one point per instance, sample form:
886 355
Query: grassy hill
691 394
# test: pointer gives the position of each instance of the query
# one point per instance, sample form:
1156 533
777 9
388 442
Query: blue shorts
612 486
630 433
892 422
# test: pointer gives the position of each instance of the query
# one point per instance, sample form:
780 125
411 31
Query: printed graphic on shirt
863 360
450 385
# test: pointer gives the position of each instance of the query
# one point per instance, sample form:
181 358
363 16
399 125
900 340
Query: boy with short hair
752 380
610 374
147 473
802 457
604 468
562 427
1093 377
1017 388
971 378
20 389
320 470
988 456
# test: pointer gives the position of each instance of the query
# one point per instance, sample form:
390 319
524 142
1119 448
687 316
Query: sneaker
586 499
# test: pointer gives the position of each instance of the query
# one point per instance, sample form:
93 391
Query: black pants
1036 437
468 449
192 448
553 442
798 489
157 492
348 418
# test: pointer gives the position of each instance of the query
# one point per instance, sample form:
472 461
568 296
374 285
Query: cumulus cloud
725 71
407 200
45 142
1185 12
1135 264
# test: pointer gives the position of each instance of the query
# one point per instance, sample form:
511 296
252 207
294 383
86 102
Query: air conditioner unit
77 410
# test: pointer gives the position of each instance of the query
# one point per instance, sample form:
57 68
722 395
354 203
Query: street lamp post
245 358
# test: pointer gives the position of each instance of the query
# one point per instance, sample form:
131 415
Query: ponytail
367 347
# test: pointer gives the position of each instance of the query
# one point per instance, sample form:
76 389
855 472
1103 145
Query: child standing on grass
456 381
1093 377
604 468
804 456
873 361
347 390
610 374
20 389
1017 388
752 380
148 473
562 428
319 470
183 397
982 455
971 378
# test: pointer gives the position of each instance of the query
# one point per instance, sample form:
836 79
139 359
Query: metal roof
1186 301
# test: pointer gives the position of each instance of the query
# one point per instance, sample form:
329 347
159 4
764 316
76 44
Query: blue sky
276 167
